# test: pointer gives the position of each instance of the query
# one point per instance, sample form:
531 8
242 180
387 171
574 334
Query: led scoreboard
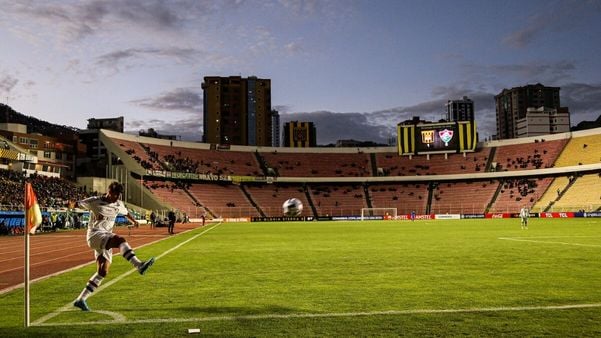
448 137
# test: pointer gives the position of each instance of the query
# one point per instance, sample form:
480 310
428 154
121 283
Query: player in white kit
524 214
100 237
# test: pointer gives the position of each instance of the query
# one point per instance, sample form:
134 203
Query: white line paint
548 242
329 315
3 291
69 306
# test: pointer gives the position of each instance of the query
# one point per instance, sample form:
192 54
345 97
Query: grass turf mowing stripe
69 306
121 320
521 239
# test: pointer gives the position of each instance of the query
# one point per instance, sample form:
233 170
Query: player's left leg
102 271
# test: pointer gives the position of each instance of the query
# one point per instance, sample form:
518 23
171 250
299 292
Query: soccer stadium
391 241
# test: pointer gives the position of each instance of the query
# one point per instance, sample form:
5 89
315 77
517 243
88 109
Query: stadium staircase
252 201
367 196
560 195
494 197
308 195
491 156
431 187
211 213
263 164
374 170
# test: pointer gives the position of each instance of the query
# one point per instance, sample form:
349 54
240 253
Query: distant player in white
100 237
524 214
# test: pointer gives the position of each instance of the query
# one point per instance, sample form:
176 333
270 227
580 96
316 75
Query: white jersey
103 214
524 213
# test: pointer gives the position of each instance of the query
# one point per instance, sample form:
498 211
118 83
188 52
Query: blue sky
355 68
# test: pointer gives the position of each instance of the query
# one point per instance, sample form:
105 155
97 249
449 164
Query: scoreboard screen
447 137
436 138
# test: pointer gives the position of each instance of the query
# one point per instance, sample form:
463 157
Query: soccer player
524 214
412 215
100 237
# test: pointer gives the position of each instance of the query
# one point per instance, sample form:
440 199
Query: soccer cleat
145 266
80 303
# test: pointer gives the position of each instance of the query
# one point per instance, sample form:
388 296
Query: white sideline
69 306
328 315
18 286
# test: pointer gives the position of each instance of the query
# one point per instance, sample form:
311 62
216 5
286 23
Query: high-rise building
512 105
543 121
460 110
299 134
237 110
275 128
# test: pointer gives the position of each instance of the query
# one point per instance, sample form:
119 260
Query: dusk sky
355 68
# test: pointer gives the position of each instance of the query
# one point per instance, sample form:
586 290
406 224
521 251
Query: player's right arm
85 203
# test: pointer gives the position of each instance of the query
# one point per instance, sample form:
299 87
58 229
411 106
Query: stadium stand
337 199
394 165
51 192
406 197
138 153
516 193
318 164
335 179
553 192
205 161
583 194
224 200
270 197
470 197
581 150
172 195
539 154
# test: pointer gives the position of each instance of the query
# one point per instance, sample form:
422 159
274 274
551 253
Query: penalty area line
330 315
69 306
517 239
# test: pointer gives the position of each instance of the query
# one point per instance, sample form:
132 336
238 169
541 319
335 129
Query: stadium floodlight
386 213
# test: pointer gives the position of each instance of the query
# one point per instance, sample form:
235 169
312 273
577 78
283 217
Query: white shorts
97 240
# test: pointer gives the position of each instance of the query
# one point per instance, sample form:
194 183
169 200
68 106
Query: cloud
184 129
553 17
379 126
583 100
78 20
548 73
183 55
179 100
293 48
7 83
332 126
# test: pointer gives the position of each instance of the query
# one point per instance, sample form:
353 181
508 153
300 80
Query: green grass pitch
382 278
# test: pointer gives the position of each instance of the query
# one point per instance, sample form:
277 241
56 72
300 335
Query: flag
32 209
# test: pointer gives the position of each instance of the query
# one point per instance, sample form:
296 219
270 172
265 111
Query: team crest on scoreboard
446 136
427 137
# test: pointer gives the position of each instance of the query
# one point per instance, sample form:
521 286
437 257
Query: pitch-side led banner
556 215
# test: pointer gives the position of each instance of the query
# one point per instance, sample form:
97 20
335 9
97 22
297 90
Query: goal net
386 213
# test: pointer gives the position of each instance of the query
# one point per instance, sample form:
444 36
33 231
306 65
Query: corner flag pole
33 218
26 266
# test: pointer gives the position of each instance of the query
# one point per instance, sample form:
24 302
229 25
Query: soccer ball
292 207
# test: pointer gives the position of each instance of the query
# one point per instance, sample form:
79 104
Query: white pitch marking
69 305
548 242
331 315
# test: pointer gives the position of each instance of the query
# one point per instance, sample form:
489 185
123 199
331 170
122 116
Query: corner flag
32 209
33 218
